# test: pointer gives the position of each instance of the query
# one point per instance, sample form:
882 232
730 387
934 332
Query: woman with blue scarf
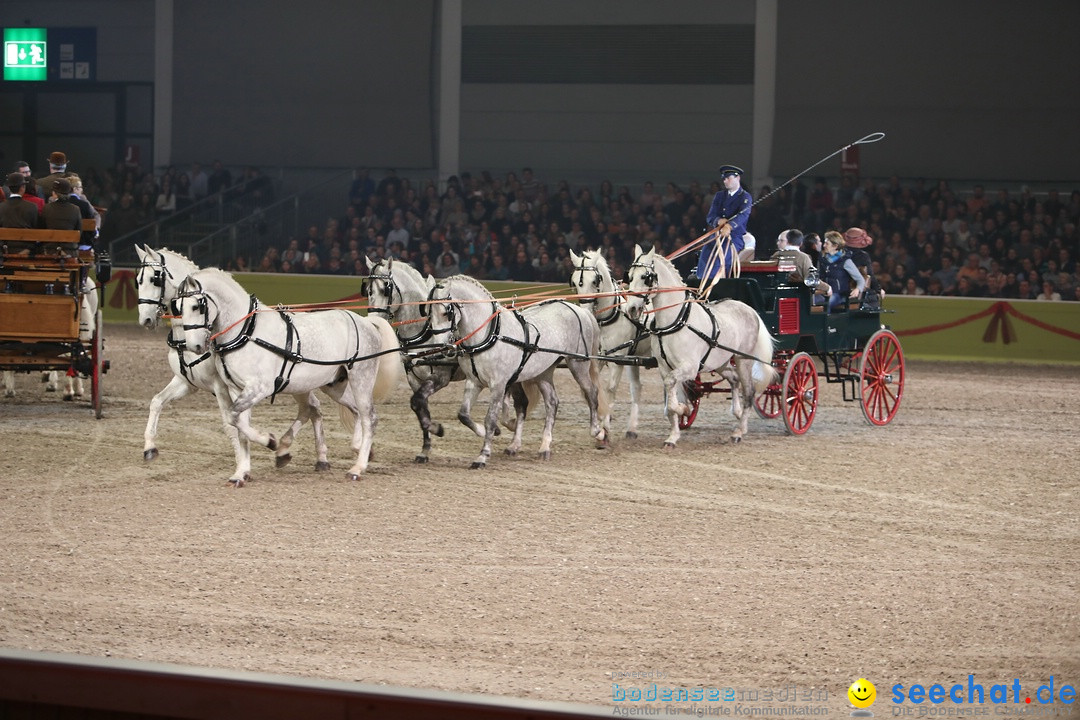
839 271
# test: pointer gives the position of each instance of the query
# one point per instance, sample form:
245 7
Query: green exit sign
24 54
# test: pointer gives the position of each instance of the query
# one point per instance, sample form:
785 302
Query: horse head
160 273
379 287
641 282
192 306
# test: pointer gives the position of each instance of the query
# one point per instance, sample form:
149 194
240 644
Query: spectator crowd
928 239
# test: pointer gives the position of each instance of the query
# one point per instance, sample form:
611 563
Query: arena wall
989 329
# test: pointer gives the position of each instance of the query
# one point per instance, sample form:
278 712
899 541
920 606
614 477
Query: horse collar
245 332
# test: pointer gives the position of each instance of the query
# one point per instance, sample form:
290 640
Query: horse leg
419 404
9 383
741 381
315 411
50 379
675 408
177 388
491 421
614 372
521 408
241 406
581 370
634 373
472 390
241 449
364 431
551 404
69 384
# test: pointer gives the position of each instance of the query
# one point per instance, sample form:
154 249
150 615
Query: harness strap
181 349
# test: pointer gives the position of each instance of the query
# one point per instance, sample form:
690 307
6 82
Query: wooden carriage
41 297
849 346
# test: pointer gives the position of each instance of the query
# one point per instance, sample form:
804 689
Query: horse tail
391 370
347 418
763 372
532 394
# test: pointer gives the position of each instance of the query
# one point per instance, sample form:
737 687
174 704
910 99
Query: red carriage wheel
96 369
881 378
769 402
800 394
694 394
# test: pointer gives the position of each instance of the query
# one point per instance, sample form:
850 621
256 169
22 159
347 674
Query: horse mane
469 280
601 264
180 255
664 262
407 269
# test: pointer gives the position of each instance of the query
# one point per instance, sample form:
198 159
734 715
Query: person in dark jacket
60 213
15 212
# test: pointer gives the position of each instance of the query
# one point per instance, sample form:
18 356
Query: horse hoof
669 445
631 435
67 397
602 444
150 454
544 455
420 459
735 439
438 431
282 460
511 452
322 466
498 431
9 393
52 388
272 442
240 482
477 466
353 477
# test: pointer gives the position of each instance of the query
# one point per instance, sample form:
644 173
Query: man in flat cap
729 213
16 212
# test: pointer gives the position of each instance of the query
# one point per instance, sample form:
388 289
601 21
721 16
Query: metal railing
234 221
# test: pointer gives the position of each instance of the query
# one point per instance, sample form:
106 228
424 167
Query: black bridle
160 273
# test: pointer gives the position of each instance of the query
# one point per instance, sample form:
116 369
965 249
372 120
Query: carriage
848 346
41 306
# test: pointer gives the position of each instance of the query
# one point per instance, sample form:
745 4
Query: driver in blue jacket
730 211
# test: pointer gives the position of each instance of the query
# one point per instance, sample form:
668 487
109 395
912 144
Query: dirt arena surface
943 545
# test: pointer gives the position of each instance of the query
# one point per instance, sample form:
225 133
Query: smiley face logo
862 693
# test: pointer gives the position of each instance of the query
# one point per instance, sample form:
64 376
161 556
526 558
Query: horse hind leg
364 430
742 389
9 383
520 402
551 403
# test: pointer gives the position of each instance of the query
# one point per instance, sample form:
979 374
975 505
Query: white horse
500 347
399 291
160 274
689 337
261 352
619 335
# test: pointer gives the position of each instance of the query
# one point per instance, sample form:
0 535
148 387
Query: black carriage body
841 341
